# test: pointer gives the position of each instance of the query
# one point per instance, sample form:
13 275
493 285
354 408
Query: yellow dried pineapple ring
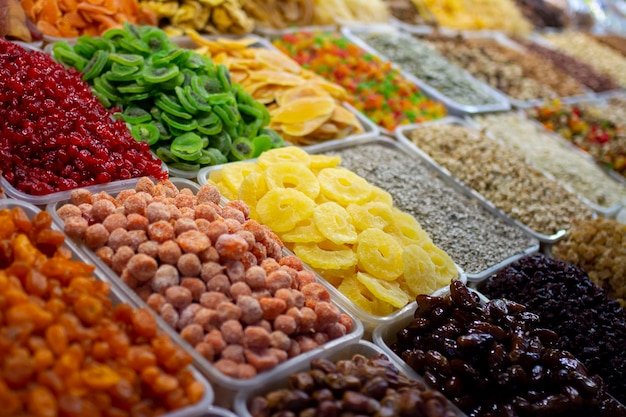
286 154
282 209
388 291
234 173
216 176
319 162
379 254
252 188
370 215
407 229
344 186
382 196
445 268
363 298
226 191
336 276
419 271
304 231
326 255
292 175
334 222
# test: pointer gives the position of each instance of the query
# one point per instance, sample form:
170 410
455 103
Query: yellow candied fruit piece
251 190
286 154
381 196
334 222
234 173
388 291
407 229
445 268
326 255
292 175
319 162
363 298
379 254
344 186
336 276
281 209
215 176
419 271
226 191
304 231
374 214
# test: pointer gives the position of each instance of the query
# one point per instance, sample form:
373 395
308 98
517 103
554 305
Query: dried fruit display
214 16
280 14
570 304
342 226
55 135
214 275
327 12
64 348
498 359
543 14
374 87
14 24
176 100
304 108
614 41
69 19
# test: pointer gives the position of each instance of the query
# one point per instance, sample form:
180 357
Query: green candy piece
128 60
135 115
242 149
178 123
187 146
170 105
145 132
159 75
95 65
184 101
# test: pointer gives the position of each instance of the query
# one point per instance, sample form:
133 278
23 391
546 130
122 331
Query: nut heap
495 359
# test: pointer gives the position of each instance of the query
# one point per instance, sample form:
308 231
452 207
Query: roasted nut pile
549 154
65 350
521 76
614 41
421 60
351 387
501 176
474 238
601 57
496 359
599 247
542 13
590 325
214 275
575 68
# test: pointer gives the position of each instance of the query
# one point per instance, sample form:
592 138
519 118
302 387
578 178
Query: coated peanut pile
601 57
599 247
521 76
547 153
502 177
211 273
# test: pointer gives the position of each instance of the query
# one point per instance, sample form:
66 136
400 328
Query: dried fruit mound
64 349
54 133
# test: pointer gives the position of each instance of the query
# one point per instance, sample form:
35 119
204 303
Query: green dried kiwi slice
132 29
171 84
196 100
211 129
95 65
155 112
211 85
165 155
251 130
241 149
217 156
137 97
164 134
184 101
96 43
156 40
189 75
128 60
277 140
101 98
145 132
219 98
261 143
175 132
134 46
85 50
181 59
196 61
135 115
157 75
223 77
116 34
187 146
166 57
124 70
184 166
169 104
64 53
133 88
222 142
178 123
106 89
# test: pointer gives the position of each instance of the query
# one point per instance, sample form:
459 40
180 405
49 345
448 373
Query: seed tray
225 386
362 347
608 212
454 108
118 296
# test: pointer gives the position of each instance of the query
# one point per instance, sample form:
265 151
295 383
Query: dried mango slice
407 229
419 271
379 254
299 92
234 173
319 162
286 154
344 116
304 231
363 298
252 188
304 109
282 209
326 255
334 222
299 129
275 59
344 186
370 215
292 175
445 269
388 291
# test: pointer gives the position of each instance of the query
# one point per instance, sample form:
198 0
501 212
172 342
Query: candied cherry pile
64 349
54 133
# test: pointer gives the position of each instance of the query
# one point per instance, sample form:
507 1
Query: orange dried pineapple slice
370 215
388 291
292 175
419 271
379 254
286 154
344 186
334 222
281 209
304 231
326 255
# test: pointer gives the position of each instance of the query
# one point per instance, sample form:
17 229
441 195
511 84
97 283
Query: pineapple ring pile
343 227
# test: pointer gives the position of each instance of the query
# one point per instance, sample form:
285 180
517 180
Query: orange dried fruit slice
344 186
303 110
445 268
388 291
304 231
326 255
334 222
286 154
292 175
419 271
373 214
234 173
282 208
379 254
